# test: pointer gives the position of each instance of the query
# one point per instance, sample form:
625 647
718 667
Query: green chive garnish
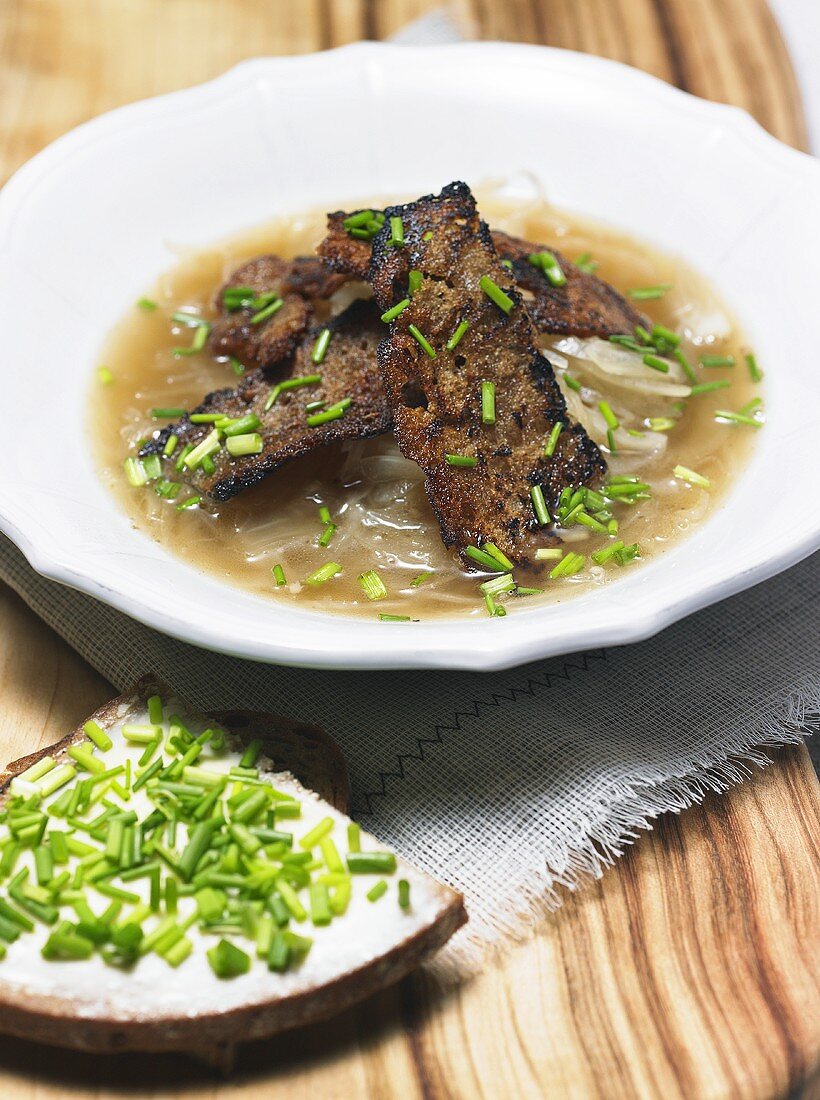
573 383
691 477
372 585
105 376
371 863
414 281
586 263
710 387
656 363
717 360
324 573
737 418
548 554
392 314
320 347
540 506
552 441
649 293
661 423
549 265
608 415
455 339
227 960
488 403
377 891
755 373
483 558
332 412
466 461
496 294
268 311
250 444
291 384
421 340
396 232
148 304
383 618
167 414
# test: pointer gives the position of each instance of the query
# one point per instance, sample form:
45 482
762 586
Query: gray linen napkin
512 785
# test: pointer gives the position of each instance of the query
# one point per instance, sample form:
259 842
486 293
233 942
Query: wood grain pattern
691 970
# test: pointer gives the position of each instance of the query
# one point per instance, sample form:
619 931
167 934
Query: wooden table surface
692 969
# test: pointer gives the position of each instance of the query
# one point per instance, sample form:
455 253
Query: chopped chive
421 579
717 360
384 618
392 314
467 461
372 585
552 441
483 558
661 423
502 559
755 373
663 335
396 232
610 439
56 778
268 311
496 294
625 342
197 344
586 263
193 320
549 554
421 340
191 502
548 264
427 235
573 383
488 402
679 355
332 412
167 414
206 447
320 912
205 418
148 304
710 387
737 418
227 960
649 293
250 444
691 477
321 345
324 573
105 376
291 384
354 837
237 367
237 297
414 281
540 506
242 424
327 535
170 445
377 891
656 363
135 472
569 565
371 863
94 732
455 339
608 415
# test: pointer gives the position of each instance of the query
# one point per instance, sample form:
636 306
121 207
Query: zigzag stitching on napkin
619 824
497 699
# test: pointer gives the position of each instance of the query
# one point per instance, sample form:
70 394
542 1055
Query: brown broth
375 496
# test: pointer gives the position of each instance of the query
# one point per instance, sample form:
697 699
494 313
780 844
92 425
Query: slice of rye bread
298 282
349 369
584 306
113 1020
437 402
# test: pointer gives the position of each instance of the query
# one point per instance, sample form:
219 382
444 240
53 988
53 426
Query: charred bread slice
347 372
462 323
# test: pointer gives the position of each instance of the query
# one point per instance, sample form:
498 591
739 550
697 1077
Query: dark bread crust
349 369
316 760
436 403
585 306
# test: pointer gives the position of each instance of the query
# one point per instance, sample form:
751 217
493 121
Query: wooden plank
691 969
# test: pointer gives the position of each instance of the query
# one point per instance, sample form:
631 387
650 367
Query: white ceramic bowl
85 227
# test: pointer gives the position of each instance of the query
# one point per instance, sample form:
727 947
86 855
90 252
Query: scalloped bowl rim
453 644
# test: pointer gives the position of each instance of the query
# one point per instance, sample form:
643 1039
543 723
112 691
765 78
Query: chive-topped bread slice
167 883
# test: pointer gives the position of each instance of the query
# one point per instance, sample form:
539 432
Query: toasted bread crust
349 369
584 306
317 761
436 402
